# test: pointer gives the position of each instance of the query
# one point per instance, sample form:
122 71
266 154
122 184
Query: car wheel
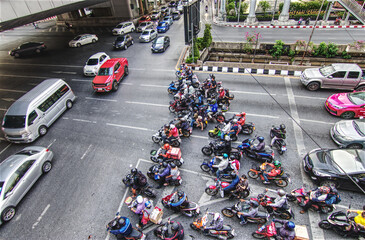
348 115
69 104
313 86
8 214
16 55
94 40
328 183
355 146
126 71
125 46
42 130
46 167
38 50
121 33
360 88
78 45
115 85
132 30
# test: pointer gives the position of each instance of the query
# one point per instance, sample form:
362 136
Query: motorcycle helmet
114 224
139 199
282 126
244 176
221 89
324 189
281 192
216 216
261 139
164 164
166 126
121 222
234 121
242 114
166 146
289 225
172 126
134 171
254 204
172 165
211 76
227 138
175 227
148 204
277 163
225 155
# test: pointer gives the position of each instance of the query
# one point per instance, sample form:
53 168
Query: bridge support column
251 18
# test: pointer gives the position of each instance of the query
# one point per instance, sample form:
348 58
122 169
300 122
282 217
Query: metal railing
354 8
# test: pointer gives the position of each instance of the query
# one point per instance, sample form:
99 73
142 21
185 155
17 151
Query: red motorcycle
281 180
265 231
213 190
175 106
301 196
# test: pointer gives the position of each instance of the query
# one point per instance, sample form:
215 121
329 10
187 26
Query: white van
32 114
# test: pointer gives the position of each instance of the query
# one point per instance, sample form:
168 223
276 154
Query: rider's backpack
142 179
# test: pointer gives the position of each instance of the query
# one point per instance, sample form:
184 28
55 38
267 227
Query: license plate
100 89
283 148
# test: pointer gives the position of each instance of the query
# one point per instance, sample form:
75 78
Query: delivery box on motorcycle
156 215
301 232
175 153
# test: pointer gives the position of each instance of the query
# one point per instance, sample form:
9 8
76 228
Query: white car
144 25
92 65
124 27
83 39
148 35
155 15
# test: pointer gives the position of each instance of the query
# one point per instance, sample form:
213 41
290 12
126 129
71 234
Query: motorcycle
214 148
247 128
176 157
212 190
279 143
155 169
246 148
227 232
307 21
217 117
146 190
281 181
342 224
301 196
132 204
135 234
266 231
173 88
207 166
300 21
161 232
189 209
230 212
157 138
176 107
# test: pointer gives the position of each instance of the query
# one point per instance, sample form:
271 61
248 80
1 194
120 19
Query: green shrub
264 5
229 7
346 55
320 51
278 49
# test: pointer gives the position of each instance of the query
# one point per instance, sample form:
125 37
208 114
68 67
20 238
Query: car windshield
327 70
161 24
146 33
105 72
1 186
359 127
92 62
14 121
349 160
27 152
154 13
143 24
357 98
119 26
77 38
159 41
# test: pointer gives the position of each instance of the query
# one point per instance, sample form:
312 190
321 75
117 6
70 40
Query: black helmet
121 222
244 176
282 126
175 226
164 164
173 165
134 170
254 204
114 224
261 139
180 193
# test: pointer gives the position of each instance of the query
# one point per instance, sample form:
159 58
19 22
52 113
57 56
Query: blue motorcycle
172 89
207 166
246 148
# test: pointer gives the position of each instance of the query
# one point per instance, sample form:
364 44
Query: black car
172 4
28 48
160 44
176 15
123 42
327 166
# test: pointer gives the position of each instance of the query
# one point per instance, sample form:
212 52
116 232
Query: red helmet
166 146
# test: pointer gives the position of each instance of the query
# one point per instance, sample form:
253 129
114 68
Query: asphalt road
98 141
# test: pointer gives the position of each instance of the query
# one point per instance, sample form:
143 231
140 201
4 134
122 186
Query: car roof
111 62
98 55
346 66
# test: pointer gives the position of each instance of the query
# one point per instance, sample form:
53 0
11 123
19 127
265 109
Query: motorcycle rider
317 195
360 218
235 129
233 184
174 174
139 205
273 172
173 133
242 118
165 151
178 200
175 233
279 133
241 185
222 95
260 147
224 146
251 212
139 180
121 225
286 232
216 223
281 202
212 108
223 164
161 177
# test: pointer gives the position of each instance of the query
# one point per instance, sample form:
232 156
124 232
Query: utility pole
273 11
192 41
239 11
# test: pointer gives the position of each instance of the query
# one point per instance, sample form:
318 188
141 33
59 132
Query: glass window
327 70
340 74
32 116
353 75
53 98
92 62
357 98
19 174
14 121
104 72
1 186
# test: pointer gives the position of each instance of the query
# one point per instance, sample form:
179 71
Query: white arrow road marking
205 197
40 217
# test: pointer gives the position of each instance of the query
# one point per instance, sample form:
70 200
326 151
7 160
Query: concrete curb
248 71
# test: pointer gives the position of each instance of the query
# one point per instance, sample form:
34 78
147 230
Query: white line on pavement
82 120
149 85
100 99
43 65
8 99
81 80
40 217
315 98
20 76
54 140
11 90
256 93
317 233
198 137
87 150
148 104
2 109
315 121
62 72
257 115
5 148
130 84
125 126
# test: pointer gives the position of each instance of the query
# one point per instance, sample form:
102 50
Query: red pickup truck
110 75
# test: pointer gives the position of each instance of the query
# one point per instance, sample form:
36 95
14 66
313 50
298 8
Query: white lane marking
43 65
100 99
205 197
81 80
87 150
315 98
314 218
125 126
20 76
40 217
62 72
199 137
82 120
11 90
130 84
54 140
8 99
256 115
3 109
5 148
315 121
149 85
148 104
255 93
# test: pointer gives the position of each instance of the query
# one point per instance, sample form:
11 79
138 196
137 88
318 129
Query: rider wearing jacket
213 108
317 195
174 174
217 223
279 133
252 211
242 118
233 184
241 185
275 170
178 200
165 151
281 202
173 134
139 180
223 164
162 176
122 226
260 147
286 232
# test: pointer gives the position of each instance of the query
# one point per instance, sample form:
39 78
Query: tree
264 5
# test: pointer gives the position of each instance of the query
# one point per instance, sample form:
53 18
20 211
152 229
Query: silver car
148 35
18 173
349 133
144 26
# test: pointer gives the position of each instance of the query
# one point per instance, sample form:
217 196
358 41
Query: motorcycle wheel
285 215
244 194
211 192
252 174
290 197
196 85
324 224
164 204
154 159
280 152
186 134
205 168
177 163
340 231
207 151
262 221
155 139
227 212
151 175
281 183
211 134
234 137
156 232
171 109
326 209
170 91
257 235
192 226
175 143
249 131
230 235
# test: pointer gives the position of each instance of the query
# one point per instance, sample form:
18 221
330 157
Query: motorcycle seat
261 215
135 234
226 228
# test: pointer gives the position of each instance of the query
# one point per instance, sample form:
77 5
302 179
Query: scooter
279 142
178 160
246 148
230 212
134 234
147 189
172 89
164 231
189 209
266 231
157 138
155 169
227 232
342 224
219 186
281 181
213 147
207 166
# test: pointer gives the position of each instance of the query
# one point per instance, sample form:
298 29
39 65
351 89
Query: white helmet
234 120
227 138
216 216
139 199
172 126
